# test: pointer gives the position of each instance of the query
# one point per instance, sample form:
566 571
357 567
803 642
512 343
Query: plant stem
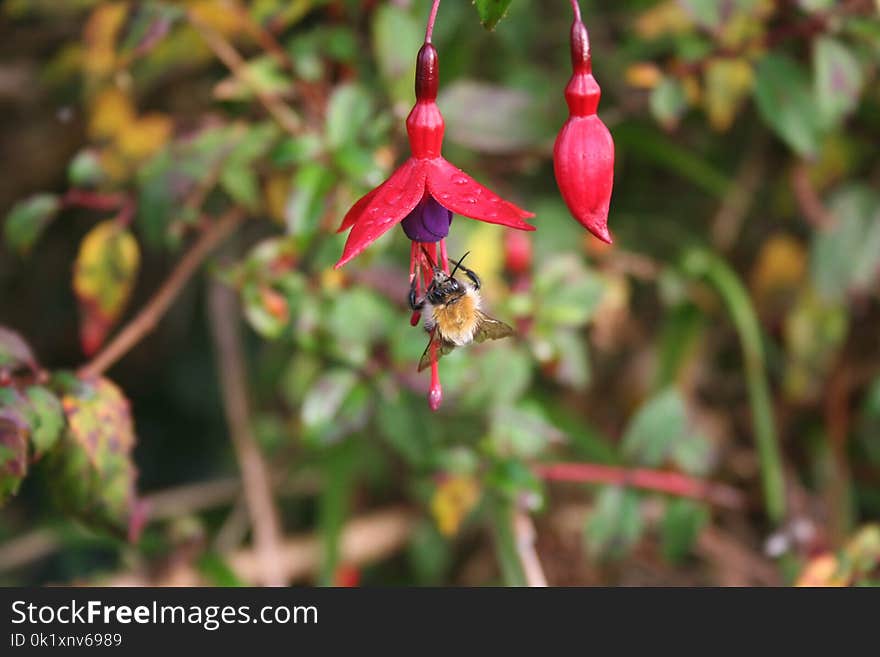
502 512
227 54
700 263
525 535
254 473
145 321
429 29
671 483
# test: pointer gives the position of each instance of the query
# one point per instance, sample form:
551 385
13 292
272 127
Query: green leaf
46 418
868 427
668 102
503 374
401 422
91 472
845 257
491 11
323 403
786 103
308 200
429 554
348 111
13 453
493 119
352 340
569 292
615 524
263 74
214 568
839 79
239 178
338 471
296 150
522 431
28 219
397 37
512 478
658 424
680 527
85 169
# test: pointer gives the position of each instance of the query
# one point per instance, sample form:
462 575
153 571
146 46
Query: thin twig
672 483
740 196
808 199
254 473
162 505
364 539
227 54
525 536
146 320
234 528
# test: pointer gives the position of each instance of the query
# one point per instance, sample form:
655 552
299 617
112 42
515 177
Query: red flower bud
583 157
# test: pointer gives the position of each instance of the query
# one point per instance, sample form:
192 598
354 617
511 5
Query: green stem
700 263
501 512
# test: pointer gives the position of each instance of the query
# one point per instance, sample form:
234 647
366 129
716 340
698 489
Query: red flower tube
583 156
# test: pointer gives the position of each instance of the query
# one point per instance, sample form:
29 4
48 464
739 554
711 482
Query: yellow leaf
332 279
113 164
821 571
103 277
143 137
101 31
277 195
727 84
692 90
112 112
225 16
486 246
780 269
667 17
452 501
643 75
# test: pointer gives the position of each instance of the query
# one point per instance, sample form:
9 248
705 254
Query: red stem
83 198
577 10
672 483
444 259
429 30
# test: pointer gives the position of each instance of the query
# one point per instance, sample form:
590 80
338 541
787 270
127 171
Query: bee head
442 287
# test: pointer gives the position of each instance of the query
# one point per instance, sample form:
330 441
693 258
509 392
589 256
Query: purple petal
428 222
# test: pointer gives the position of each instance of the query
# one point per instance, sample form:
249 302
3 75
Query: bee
452 313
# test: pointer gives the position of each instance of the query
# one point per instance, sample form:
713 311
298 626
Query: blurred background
189 393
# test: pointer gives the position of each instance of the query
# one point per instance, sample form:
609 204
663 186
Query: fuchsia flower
583 156
423 194
425 191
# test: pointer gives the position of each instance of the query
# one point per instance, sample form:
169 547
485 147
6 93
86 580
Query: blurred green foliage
732 326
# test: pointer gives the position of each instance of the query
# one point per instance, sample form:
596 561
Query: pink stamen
443 257
415 257
435 394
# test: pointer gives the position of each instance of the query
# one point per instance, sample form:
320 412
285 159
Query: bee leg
471 274
415 304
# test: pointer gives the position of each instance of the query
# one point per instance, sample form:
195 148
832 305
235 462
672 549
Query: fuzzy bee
452 313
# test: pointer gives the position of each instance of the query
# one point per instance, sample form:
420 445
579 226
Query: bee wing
443 348
490 328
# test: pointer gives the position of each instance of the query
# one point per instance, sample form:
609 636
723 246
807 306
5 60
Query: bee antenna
458 264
